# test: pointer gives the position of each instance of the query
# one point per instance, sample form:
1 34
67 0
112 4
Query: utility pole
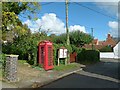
93 38
67 30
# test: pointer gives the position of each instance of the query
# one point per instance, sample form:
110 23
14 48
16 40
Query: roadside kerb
59 77
68 73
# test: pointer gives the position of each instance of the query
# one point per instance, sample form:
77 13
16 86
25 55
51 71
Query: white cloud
48 22
52 24
28 22
77 27
113 28
113 24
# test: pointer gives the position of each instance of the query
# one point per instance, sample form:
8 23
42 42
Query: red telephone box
45 51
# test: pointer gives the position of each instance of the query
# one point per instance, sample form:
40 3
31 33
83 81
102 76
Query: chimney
108 36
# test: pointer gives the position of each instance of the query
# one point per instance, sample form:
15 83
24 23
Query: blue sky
52 16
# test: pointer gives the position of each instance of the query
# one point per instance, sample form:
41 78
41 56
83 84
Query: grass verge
63 67
0 74
22 61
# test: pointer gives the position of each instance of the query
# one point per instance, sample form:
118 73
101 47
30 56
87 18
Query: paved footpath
43 78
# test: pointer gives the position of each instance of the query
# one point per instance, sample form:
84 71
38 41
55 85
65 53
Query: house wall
117 50
106 54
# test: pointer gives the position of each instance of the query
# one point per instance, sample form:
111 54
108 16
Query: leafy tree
10 21
59 39
25 46
77 38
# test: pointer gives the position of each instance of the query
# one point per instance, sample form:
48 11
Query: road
101 75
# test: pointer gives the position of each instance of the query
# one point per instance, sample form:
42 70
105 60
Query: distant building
100 44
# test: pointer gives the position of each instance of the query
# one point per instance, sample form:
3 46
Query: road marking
98 76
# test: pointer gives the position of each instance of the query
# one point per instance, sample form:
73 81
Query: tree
10 21
78 38
60 39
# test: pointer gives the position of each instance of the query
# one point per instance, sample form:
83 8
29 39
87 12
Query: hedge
89 55
106 49
2 60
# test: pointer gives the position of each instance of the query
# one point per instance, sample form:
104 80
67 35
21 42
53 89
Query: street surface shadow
80 81
110 69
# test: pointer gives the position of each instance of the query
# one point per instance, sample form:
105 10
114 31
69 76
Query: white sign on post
62 53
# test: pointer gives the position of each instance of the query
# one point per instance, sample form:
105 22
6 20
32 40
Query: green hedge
89 55
106 49
2 62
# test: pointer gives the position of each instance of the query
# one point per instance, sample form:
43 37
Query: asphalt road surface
101 75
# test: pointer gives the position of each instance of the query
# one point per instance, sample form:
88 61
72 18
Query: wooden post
58 61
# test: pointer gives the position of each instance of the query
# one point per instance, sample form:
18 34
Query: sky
101 16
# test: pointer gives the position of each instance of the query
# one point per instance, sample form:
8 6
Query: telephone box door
50 56
42 55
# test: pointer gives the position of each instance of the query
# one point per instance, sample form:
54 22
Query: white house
117 51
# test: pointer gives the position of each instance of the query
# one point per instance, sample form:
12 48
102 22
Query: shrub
106 49
22 46
2 60
76 49
89 55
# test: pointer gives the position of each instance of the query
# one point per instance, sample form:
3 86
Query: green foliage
56 47
76 49
11 25
77 38
106 49
88 55
18 7
59 39
25 46
2 60
63 67
55 52
22 61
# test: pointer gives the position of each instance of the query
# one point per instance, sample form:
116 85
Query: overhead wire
47 3
77 3
70 20
95 10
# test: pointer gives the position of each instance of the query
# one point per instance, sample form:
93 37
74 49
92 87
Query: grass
22 61
0 73
63 67
38 67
